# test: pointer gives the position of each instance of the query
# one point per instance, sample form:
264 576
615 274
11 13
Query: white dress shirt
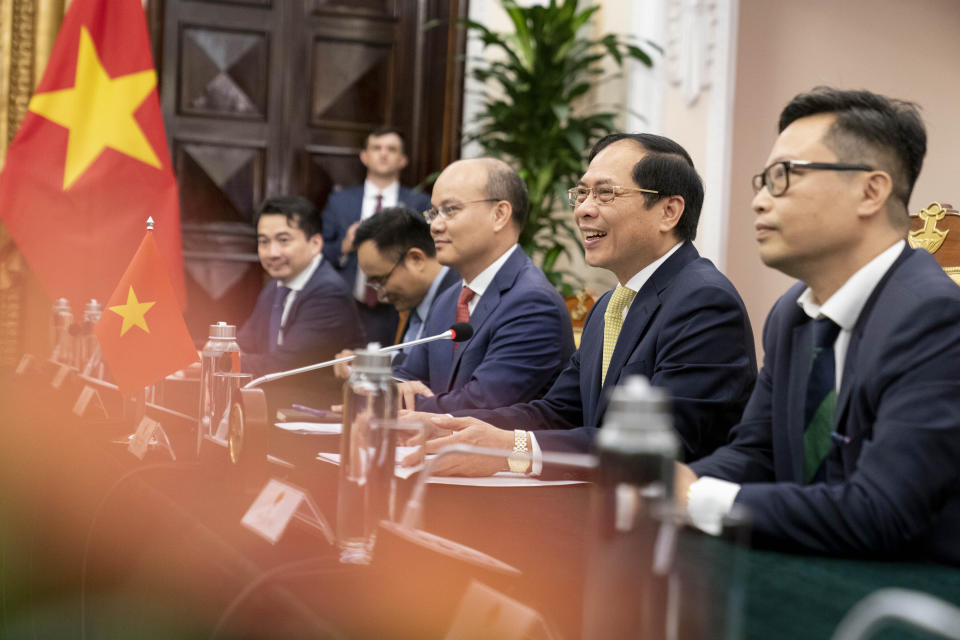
482 281
711 498
391 196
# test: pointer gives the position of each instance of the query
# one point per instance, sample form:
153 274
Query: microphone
458 332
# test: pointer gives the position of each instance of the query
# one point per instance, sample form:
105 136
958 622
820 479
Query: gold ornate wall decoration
936 221
28 29
929 237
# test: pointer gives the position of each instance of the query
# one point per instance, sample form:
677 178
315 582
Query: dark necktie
463 308
821 398
369 293
276 315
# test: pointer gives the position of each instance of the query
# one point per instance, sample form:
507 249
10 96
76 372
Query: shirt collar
636 282
845 305
300 280
479 284
390 193
424 307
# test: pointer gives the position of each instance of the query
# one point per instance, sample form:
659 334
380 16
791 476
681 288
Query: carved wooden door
264 97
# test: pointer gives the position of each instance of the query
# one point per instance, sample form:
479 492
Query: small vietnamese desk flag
90 162
142 333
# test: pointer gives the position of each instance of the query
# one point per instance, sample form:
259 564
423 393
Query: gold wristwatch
517 463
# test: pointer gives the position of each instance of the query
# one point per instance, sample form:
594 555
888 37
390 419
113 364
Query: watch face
518 464
235 433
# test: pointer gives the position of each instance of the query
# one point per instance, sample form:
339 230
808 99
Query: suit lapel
641 312
633 329
308 288
591 355
802 350
488 303
850 360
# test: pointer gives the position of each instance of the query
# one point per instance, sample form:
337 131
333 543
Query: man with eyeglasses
673 318
849 444
522 335
305 313
384 158
396 253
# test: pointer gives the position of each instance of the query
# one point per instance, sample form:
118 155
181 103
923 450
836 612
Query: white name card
60 376
141 438
83 401
277 504
24 364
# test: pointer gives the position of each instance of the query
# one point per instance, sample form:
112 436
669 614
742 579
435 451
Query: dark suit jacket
687 331
895 486
449 279
322 321
342 210
522 337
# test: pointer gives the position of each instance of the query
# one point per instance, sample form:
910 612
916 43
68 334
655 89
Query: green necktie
612 322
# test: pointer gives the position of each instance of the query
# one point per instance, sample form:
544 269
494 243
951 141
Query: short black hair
503 183
886 133
383 130
395 231
300 212
668 168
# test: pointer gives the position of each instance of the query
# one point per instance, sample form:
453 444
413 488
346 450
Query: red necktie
463 308
369 293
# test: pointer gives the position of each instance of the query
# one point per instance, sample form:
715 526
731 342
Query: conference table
96 543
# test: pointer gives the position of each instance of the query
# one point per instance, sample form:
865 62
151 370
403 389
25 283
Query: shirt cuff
536 464
711 499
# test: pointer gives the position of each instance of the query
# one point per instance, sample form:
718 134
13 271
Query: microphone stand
446 335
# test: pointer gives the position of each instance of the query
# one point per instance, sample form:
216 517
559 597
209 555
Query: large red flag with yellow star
90 162
142 334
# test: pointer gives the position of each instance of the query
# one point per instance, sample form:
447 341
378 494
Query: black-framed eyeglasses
776 177
603 193
449 210
379 282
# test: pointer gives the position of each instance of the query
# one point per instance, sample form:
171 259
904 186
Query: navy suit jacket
894 486
686 331
342 210
322 320
522 338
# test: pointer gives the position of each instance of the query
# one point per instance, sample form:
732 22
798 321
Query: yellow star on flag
98 111
133 312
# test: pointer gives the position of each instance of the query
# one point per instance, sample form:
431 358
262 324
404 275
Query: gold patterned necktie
612 322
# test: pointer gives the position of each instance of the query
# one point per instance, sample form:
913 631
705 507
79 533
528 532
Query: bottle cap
223 330
372 360
636 395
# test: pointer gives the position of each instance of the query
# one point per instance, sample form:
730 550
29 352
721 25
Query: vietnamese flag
90 161
142 334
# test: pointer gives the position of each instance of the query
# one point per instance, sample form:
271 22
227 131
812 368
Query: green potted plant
532 114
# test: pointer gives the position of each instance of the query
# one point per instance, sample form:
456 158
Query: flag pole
140 397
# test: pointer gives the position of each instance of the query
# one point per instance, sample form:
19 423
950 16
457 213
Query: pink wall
908 50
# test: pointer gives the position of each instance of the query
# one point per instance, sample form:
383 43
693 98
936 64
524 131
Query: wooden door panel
351 84
264 98
223 73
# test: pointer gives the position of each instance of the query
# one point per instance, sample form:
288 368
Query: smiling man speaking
673 317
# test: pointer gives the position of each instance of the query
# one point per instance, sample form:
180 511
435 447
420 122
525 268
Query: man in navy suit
397 255
305 314
384 158
522 335
683 325
849 444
